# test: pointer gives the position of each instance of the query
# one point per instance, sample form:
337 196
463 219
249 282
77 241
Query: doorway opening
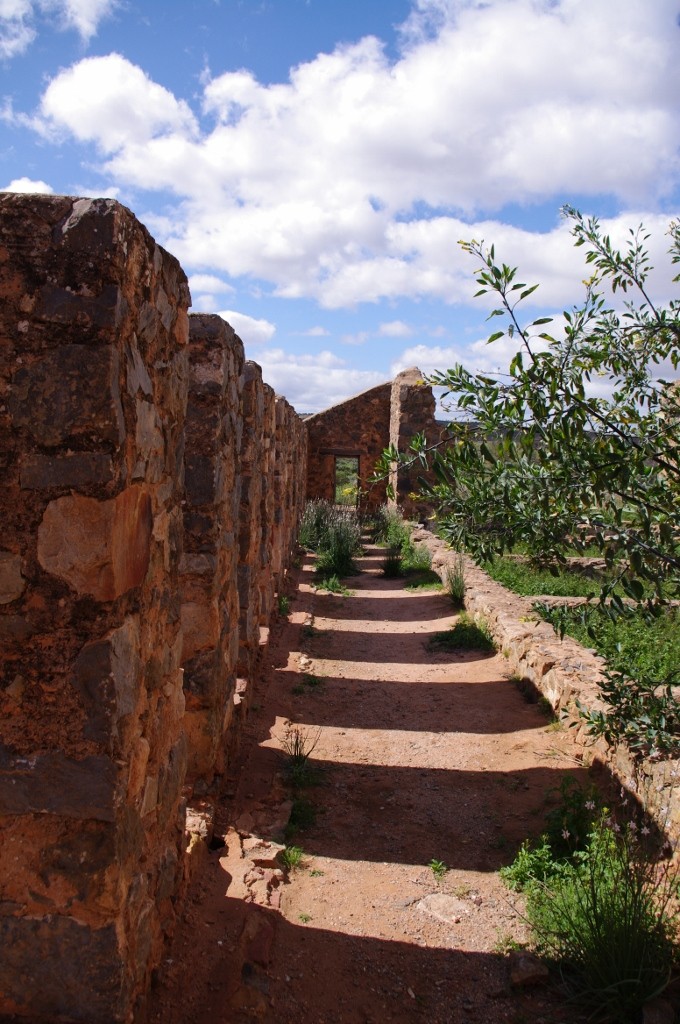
346 480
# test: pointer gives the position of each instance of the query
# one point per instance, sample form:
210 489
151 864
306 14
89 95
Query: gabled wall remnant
362 427
359 427
113 576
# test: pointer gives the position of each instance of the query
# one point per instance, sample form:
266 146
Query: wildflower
590 805
565 833
644 830
632 826
616 827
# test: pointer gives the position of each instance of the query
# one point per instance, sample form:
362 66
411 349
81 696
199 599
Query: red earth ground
419 757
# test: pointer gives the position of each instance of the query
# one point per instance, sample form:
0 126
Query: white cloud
113 103
82 15
485 105
28 185
395 329
209 283
316 332
249 330
313 382
16 27
19 20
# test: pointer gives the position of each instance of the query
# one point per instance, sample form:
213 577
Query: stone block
12 583
69 392
60 969
100 548
52 783
75 470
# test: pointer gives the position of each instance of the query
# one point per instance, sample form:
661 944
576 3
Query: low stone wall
562 671
132 607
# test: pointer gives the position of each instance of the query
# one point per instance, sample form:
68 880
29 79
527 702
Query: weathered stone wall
412 411
113 576
210 608
93 331
359 427
562 671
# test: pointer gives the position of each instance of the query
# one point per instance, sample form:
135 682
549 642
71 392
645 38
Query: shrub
607 913
334 533
598 901
466 635
455 582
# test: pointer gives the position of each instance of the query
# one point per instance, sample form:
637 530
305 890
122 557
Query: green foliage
425 579
302 816
598 900
291 857
283 602
465 635
438 868
640 681
455 582
539 457
527 579
608 915
346 481
299 745
335 534
392 564
334 585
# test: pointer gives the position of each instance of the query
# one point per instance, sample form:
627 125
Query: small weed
283 604
291 857
312 681
505 943
298 689
438 869
391 565
455 582
316 873
309 632
462 891
334 585
466 635
302 816
299 745
305 918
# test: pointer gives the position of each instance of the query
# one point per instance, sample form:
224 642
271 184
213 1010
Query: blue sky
313 163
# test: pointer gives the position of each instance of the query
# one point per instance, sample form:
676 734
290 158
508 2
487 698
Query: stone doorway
346 480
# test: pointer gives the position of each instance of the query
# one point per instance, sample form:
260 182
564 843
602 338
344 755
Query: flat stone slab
445 908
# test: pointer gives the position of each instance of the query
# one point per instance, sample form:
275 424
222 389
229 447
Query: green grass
630 644
438 868
283 602
426 580
292 857
334 585
528 580
465 635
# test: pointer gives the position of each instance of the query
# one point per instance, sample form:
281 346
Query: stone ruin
152 490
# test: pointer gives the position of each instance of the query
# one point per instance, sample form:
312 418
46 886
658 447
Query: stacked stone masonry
149 511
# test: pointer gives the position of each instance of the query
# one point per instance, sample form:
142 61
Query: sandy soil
419 757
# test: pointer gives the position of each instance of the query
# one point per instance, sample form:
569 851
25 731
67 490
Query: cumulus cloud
314 382
395 329
28 185
19 20
250 330
382 164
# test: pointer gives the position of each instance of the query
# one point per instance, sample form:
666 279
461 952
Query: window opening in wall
346 480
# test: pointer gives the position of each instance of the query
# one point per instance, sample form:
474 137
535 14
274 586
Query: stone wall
359 427
92 754
412 411
210 607
113 576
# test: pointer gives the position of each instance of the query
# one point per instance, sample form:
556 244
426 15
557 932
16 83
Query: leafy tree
538 457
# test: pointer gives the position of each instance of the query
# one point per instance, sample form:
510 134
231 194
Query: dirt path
420 757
